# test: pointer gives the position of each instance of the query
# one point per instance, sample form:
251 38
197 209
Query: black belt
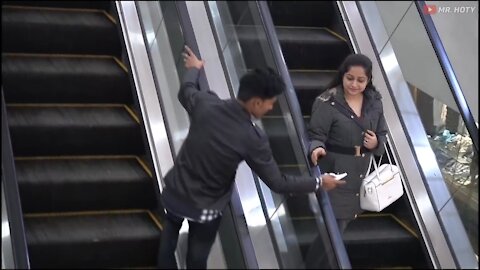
346 150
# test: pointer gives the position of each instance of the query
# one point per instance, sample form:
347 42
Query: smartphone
338 176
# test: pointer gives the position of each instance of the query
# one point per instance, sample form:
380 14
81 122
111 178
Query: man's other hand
329 182
191 59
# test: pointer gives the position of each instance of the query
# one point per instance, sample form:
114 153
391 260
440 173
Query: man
221 135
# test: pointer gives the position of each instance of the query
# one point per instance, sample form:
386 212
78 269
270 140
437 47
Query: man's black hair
262 83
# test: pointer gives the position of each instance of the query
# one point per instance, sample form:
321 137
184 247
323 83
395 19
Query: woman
347 126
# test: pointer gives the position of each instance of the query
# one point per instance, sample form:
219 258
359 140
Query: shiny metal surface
14 243
229 43
433 91
152 17
244 181
283 223
208 51
450 74
377 26
7 252
458 222
417 192
461 44
165 48
146 90
255 218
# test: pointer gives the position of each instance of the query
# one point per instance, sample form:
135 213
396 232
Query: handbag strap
375 163
388 155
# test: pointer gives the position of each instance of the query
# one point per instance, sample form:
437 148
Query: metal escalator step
309 84
83 183
302 13
307 232
62 79
62 4
45 30
311 79
302 47
93 240
280 141
74 130
377 227
286 34
377 241
306 48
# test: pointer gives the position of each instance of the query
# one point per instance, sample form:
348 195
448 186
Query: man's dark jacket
221 135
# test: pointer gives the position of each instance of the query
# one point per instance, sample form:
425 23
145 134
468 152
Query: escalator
88 195
293 222
314 42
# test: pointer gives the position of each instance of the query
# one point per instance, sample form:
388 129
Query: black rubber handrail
449 73
291 97
12 198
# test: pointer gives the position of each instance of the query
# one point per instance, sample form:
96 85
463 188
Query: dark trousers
200 240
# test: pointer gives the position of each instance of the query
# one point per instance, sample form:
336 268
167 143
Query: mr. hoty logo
434 9
429 9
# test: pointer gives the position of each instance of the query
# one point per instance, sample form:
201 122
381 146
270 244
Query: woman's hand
191 59
317 153
370 140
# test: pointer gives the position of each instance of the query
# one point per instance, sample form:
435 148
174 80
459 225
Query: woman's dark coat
328 126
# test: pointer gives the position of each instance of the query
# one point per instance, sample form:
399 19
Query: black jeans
200 240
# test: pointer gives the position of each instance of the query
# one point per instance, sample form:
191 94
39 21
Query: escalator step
74 130
60 31
105 5
309 84
302 13
311 79
313 13
307 232
83 184
93 240
54 79
311 48
84 191
381 241
280 141
376 228
303 48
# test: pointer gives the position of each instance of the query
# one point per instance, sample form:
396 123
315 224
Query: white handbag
381 187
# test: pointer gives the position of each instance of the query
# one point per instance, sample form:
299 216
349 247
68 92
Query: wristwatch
319 182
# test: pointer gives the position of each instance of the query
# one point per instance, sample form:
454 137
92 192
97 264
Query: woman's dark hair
353 60
262 83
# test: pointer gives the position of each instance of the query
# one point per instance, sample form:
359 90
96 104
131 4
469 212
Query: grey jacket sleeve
320 123
261 160
381 133
189 90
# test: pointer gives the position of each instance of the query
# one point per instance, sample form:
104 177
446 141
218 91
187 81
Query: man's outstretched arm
189 88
